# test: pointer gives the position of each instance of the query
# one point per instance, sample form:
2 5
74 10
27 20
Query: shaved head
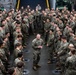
38 36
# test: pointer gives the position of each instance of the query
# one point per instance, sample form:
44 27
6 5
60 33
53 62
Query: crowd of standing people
59 31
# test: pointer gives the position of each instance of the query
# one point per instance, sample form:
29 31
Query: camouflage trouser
24 38
61 62
2 70
36 58
50 53
45 36
31 28
70 72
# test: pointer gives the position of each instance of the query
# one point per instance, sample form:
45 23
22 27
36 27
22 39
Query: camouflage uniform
2 68
50 43
17 60
47 26
18 71
71 65
37 51
16 51
62 55
31 25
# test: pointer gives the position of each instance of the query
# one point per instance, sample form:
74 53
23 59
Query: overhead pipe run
47 3
18 4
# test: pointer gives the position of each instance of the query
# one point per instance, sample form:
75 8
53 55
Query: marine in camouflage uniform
25 29
73 41
18 49
2 68
47 26
31 25
62 54
50 44
3 55
37 45
37 21
18 69
19 58
71 64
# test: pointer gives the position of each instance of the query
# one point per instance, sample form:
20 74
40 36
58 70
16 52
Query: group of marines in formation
57 27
